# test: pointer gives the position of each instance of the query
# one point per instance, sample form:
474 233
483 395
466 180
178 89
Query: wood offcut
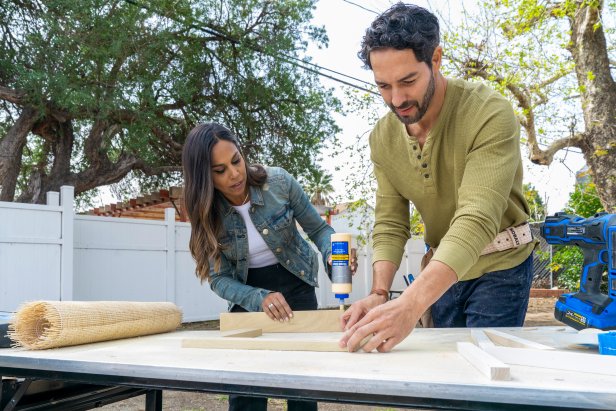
302 322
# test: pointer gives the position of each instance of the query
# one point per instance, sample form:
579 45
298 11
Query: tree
535 203
553 60
318 186
93 90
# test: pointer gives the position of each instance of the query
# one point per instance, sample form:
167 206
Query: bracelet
381 292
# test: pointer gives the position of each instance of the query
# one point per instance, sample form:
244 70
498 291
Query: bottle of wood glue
341 267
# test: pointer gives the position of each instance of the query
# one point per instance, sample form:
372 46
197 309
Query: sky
345 24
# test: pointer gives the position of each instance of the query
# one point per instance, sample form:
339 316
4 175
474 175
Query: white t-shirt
259 254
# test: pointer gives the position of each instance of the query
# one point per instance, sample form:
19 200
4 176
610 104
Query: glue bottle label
340 253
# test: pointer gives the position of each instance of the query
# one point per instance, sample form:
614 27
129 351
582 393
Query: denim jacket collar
256 198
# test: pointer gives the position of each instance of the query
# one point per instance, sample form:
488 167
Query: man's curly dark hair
402 26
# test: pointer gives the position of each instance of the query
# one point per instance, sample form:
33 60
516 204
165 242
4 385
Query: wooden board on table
291 342
489 366
555 359
302 321
508 340
243 332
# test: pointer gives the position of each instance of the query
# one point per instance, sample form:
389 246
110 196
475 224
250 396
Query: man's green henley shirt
466 182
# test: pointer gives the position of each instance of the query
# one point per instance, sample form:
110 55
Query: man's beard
421 108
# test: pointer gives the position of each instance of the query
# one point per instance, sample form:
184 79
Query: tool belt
509 238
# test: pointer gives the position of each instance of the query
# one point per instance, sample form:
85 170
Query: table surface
424 367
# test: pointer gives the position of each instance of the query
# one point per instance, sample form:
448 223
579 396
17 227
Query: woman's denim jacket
274 209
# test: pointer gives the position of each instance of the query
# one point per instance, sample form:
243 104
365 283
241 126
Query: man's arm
390 234
392 322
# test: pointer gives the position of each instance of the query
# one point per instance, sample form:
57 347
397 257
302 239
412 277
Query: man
452 148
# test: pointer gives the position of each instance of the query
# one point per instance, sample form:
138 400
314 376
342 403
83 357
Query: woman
244 237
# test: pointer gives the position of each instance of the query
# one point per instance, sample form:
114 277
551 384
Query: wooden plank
556 359
489 366
262 343
243 332
302 321
508 340
480 339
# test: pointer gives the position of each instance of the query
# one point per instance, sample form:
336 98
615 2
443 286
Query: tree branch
168 140
478 69
545 157
11 148
12 95
527 120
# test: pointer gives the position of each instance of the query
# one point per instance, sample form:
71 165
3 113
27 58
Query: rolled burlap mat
40 325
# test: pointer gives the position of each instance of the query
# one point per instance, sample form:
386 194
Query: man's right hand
359 309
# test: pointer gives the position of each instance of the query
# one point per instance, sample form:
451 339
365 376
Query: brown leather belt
509 238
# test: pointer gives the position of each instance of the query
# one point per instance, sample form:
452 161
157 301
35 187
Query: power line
306 65
361 7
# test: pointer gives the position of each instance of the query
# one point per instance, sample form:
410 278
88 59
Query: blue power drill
596 236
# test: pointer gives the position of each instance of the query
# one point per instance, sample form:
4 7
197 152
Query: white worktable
423 370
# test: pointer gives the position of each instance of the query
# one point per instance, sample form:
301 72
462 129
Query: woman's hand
352 260
276 307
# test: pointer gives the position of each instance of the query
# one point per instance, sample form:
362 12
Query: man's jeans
496 299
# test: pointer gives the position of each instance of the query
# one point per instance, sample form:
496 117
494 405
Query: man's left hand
392 322
388 324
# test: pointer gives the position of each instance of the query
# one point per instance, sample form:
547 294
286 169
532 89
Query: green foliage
360 215
521 50
318 186
361 185
417 225
567 261
535 203
584 201
142 77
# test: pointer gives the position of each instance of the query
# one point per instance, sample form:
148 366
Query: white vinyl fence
49 253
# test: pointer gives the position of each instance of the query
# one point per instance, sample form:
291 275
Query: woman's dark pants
301 297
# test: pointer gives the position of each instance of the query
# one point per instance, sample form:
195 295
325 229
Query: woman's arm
227 287
309 219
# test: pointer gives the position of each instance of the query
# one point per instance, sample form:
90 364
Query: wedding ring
270 305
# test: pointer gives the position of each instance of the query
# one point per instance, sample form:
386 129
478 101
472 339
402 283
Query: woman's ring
270 305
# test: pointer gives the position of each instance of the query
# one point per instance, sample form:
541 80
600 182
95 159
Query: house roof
150 206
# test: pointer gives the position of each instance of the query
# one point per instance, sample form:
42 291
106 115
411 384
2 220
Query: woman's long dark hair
200 197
